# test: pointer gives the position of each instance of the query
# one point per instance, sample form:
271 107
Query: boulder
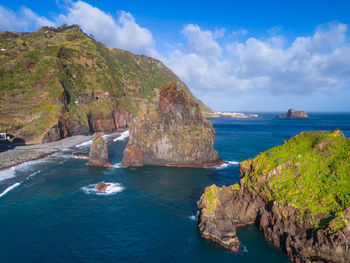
102 187
98 154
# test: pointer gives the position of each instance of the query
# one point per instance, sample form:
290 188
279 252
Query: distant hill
58 82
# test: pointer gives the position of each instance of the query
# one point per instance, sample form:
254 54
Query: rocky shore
27 153
296 193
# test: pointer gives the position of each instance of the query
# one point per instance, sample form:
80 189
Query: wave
225 165
8 189
22 167
122 136
112 189
117 165
193 217
84 144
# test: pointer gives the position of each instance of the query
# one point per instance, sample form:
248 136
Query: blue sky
234 55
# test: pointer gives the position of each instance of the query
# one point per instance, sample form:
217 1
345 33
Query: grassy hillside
50 69
311 172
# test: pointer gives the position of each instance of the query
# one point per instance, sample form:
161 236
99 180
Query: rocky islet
296 193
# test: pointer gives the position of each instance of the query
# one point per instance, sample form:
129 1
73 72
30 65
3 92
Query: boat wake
122 136
112 189
8 189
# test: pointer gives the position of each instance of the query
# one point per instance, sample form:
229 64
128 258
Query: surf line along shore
26 153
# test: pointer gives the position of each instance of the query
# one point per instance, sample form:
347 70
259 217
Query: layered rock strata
175 134
296 193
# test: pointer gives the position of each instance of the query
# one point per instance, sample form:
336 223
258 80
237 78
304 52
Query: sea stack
98 154
176 133
296 114
296 193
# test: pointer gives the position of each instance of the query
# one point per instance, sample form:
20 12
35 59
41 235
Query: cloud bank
319 62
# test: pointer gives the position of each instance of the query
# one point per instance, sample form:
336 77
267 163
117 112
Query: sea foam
11 172
122 136
112 189
226 164
8 189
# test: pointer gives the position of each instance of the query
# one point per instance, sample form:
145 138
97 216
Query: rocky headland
176 133
297 114
98 154
298 194
60 82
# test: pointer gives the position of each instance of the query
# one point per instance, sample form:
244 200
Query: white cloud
319 62
23 20
201 42
124 33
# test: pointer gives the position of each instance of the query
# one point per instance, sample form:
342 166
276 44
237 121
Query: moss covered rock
297 193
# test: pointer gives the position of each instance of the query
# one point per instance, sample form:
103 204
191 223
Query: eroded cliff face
176 133
306 212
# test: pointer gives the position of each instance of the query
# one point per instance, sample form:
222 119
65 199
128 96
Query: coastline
26 153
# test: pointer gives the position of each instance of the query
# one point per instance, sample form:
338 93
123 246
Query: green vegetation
311 171
36 68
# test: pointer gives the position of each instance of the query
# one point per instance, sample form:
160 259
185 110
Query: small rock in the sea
102 187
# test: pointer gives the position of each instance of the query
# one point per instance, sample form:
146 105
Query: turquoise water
53 214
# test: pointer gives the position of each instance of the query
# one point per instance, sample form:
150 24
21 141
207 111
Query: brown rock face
102 187
297 114
98 154
175 134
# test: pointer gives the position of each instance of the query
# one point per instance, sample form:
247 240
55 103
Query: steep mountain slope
60 82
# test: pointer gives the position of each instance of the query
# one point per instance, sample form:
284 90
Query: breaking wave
112 189
227 164
26 166
8 189
122 136
84 144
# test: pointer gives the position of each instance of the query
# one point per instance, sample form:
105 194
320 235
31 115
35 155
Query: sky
248 56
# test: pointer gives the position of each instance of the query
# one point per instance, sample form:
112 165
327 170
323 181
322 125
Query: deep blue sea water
53 215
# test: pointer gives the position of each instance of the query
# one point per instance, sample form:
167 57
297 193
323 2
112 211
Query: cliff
296 193
175 134
59 82
297 114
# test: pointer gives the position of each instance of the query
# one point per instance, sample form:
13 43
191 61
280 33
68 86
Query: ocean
50 212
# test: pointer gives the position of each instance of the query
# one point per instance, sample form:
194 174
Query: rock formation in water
98 154
102 187
60 82
175 134
298 194
296 114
